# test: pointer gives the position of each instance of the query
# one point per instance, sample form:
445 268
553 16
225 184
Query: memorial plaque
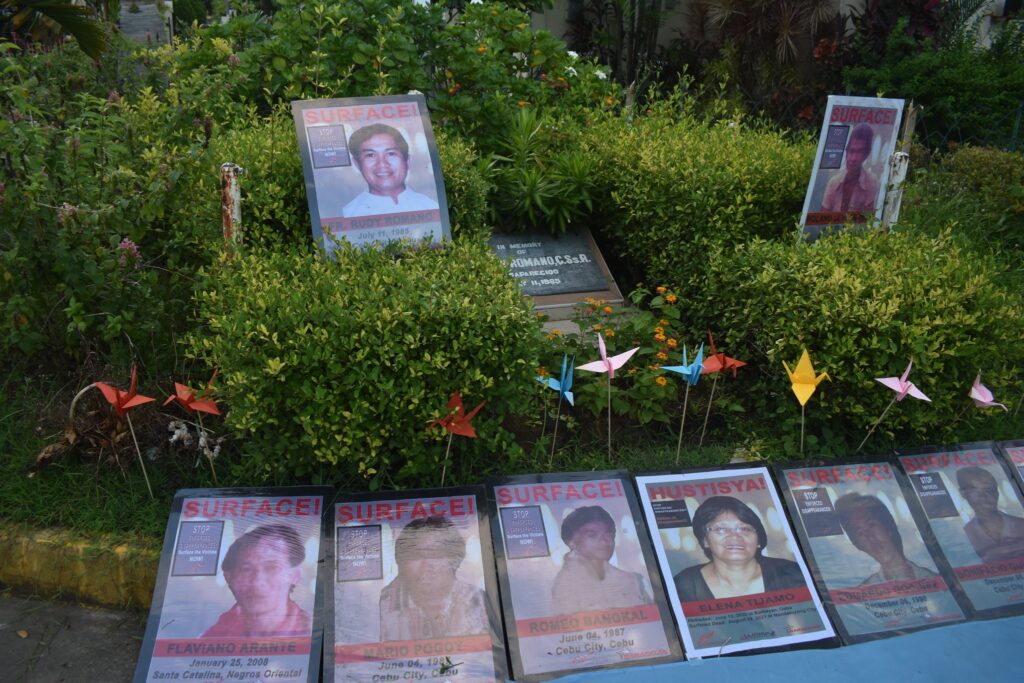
984 540
878 568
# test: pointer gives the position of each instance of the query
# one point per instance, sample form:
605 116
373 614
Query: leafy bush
668 186
334 370
863 305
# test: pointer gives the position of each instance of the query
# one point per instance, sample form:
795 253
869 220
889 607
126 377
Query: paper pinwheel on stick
903 388
691 372
456 422
608 365
123 401
804 382
714 364
982 396
198 404
563 385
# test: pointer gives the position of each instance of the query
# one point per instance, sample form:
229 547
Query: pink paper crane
902 387
608 365
982 396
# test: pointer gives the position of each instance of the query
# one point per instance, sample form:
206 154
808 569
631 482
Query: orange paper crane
123 401
718 362
192 402
456 422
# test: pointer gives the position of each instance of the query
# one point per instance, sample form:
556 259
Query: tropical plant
46 21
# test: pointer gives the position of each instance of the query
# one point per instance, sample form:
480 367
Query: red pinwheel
123 401
457 420
193 402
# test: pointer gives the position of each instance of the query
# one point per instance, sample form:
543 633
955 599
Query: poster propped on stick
574 562
851 169
413 590
738 582
976 513
877 566
238 594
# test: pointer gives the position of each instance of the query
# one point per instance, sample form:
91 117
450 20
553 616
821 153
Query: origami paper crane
803 378
563 385
193 402
902 387
691 371
717 362
982 396
457 419
123 401
606 364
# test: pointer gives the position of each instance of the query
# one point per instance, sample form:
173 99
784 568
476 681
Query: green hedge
668 186
863 305
333 370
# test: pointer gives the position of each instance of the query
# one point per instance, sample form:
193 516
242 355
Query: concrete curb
103 570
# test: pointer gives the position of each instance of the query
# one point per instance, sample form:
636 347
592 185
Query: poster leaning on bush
976 513
238 594
373 174
738 581
575 567
414 592
851 169
876 564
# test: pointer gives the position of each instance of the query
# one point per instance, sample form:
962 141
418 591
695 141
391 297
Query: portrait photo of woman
733 539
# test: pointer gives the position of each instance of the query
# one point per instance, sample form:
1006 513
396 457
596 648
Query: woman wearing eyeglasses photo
733 539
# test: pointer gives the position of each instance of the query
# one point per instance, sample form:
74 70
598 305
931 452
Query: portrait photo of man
993 534
872 529
261 568
426 600
854 189
381 154
587 580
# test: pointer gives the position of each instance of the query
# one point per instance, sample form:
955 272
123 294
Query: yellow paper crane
803 378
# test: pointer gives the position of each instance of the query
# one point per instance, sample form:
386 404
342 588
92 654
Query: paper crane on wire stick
456 421
122 402
804 382
713 365
903 388
563 385
982 395
609 366
691 372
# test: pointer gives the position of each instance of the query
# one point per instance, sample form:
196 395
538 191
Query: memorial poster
875 568
976 514
373 174
1014 454
237 592
414 591
851 169
576 581
738 579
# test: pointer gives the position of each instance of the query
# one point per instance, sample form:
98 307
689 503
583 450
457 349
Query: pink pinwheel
456 422
123 401
609 366
902 387
982 396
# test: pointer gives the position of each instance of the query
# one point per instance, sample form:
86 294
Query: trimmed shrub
669 186
863 305
334 369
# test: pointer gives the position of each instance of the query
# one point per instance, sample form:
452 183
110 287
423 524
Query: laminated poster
976 514
577 584
373 174
237 593
851 169
738 580
875 568
1013 451
414 590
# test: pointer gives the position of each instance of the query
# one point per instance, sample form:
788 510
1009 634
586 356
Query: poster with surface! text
738 581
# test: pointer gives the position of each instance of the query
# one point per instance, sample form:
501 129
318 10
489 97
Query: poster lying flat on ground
873 563
738 580
576 575
851 169
414 591
373 174
1013 452
976 514
238 595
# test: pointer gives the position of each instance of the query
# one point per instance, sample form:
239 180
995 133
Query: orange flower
482 49
662 355
598 328
662 289
664 322
607 309
661 381
654 367
609 333
671 298
659 337
659 330
672 343
557 332
542 371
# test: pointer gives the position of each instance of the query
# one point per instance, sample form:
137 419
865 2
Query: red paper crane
123 401
718 362
193 402
457 420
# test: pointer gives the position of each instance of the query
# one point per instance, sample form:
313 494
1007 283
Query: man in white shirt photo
382 156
